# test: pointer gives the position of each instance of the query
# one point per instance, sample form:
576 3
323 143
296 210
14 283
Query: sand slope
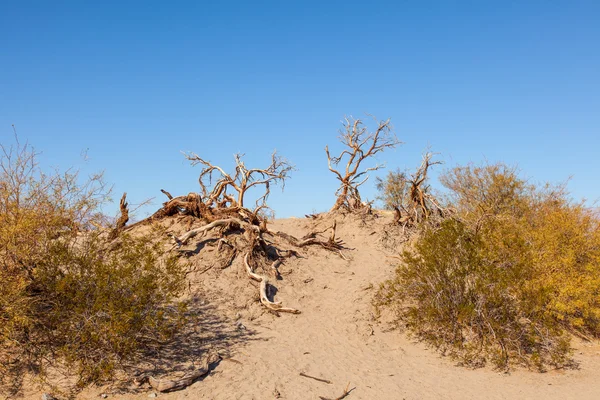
337 337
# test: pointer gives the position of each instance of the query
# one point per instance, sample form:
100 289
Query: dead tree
419 203
422 201
260 251
361 144
244 231
240 181
215 202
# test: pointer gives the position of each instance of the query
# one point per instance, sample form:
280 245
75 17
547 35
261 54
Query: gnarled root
264 289
181 240
332 244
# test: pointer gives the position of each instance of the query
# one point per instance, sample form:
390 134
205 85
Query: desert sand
337 337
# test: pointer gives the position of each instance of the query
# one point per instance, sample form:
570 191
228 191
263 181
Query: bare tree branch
361 145
241 181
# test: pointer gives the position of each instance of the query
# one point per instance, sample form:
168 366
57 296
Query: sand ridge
337 337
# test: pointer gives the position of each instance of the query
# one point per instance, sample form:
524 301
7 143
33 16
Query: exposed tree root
230 222
254 245
223 212
333 244
264 289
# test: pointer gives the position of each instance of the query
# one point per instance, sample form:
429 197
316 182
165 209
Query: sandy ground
336 338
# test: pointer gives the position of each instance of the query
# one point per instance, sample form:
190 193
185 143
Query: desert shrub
69 300
505 278
392 190
411 195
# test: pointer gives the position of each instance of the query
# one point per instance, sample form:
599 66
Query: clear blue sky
138 82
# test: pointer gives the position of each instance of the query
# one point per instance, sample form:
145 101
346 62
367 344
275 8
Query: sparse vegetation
410 196
392 189
507 277
68 299
502 271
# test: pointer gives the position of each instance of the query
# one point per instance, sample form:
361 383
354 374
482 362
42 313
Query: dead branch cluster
418 203
360 145
243 179
235 229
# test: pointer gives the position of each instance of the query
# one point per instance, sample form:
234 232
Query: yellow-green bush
504 279
67 299
393 189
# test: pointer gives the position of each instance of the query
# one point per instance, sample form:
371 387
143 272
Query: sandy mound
336 338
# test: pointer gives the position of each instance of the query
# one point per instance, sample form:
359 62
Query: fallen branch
342 396
181 240
315 378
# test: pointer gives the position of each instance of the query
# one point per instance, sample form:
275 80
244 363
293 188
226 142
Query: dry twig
315 378
342 396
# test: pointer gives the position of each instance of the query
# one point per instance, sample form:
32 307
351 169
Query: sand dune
336 337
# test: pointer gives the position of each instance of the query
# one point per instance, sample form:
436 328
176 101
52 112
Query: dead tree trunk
123 218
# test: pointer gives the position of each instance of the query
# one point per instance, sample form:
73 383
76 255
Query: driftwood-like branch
315 378
123 218
167 385
264 287
241 181
342 396
167 194
360 145
332 244
181 240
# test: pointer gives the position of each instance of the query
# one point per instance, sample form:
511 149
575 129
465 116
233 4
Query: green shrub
504 279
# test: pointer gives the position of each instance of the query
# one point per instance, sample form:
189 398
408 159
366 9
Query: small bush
507 277
67 300
393 189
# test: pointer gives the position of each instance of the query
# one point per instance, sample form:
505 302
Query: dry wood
315 378
360 145
421 203
241 181
342 396
332 244
122 221
167 194
264 287
274 267
170 385
181 240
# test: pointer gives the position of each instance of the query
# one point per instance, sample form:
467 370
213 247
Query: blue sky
135 83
